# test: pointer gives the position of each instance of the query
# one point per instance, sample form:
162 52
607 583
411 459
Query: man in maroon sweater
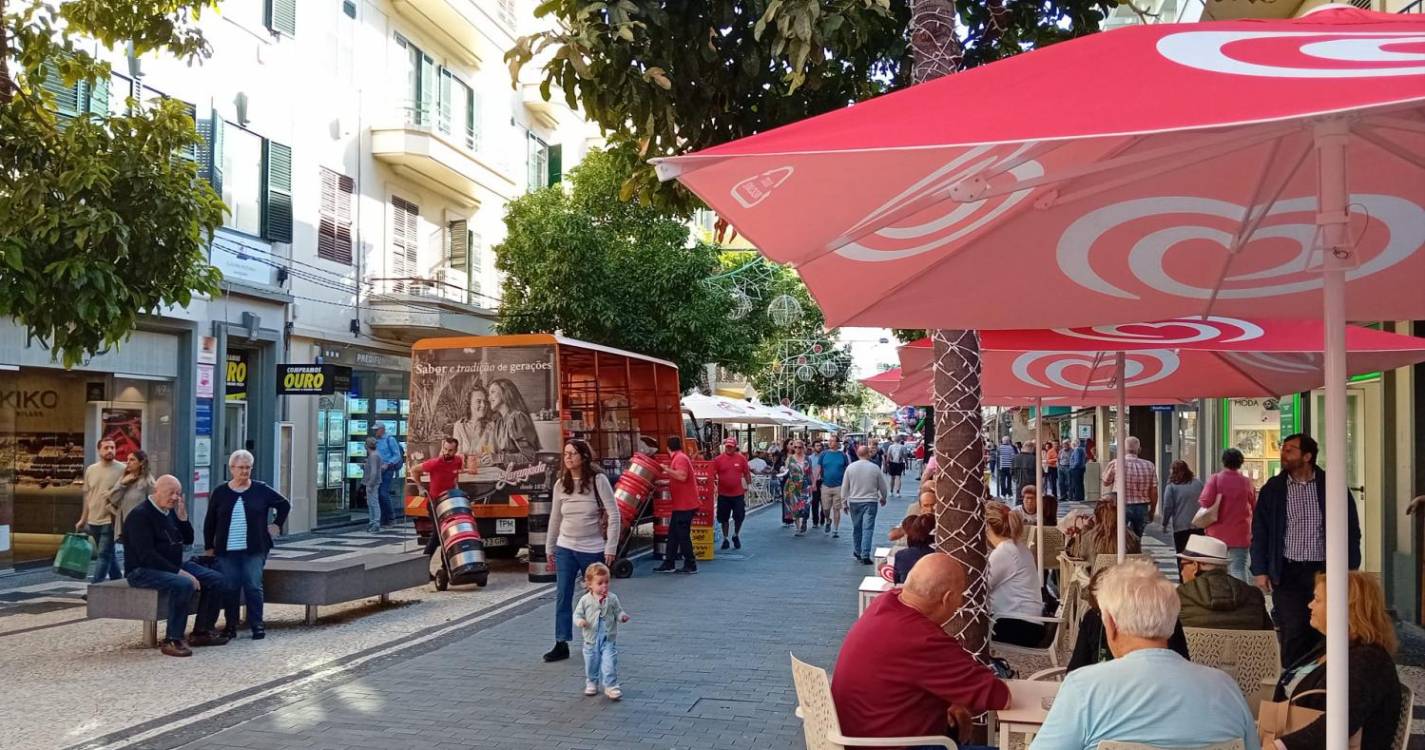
899 672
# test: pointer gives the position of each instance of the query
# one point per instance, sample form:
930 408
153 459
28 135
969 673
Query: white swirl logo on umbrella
954 221
1058 368
1313 54
1214 328
1196 220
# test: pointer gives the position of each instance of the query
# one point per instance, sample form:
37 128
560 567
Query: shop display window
357 427
356 449
1255 429
358 406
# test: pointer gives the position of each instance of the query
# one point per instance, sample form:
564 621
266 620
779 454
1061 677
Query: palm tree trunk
959 449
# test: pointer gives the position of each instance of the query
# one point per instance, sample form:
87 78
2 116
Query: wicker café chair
1110 560
820 725
1407 710
1250 657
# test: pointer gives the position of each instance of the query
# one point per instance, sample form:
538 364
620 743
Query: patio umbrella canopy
1135 203
1254 166
724 410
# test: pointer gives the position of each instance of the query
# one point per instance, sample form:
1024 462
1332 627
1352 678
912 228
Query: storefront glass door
234 431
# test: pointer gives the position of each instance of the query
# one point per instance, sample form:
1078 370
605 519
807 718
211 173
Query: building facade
366 150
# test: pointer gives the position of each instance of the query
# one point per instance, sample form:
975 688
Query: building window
419 100
505 11
281 16
405 240
458 110
334 230
242 180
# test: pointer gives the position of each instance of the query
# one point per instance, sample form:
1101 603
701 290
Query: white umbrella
724 410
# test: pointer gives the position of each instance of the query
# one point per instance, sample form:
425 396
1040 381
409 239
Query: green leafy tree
618 274
672 77
101 218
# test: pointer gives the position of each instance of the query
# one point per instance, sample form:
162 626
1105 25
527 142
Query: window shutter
211 167
68 100
277 208
556 164
99 97
474 243
446 105
457 254
334 230
426 83
404 236
472 121
191 153
282 16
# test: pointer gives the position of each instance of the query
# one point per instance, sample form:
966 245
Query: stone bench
309 583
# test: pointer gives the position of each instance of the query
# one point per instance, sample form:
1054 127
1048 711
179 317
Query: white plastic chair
1031 659
1250 657
818 714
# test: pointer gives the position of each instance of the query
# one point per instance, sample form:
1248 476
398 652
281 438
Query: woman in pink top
1234 516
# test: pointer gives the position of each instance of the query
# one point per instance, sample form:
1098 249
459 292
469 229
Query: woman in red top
1234 515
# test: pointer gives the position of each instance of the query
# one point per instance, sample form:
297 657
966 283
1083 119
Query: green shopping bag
73 557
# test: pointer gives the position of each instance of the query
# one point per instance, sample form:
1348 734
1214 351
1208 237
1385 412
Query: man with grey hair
155 535
1148 694
864 489
1140 480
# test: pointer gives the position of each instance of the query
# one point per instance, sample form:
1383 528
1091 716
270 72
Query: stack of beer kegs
662 516
460 540
541 504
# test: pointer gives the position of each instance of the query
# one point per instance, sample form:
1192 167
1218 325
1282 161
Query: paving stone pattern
704 664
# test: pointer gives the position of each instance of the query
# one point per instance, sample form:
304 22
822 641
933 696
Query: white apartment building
366 150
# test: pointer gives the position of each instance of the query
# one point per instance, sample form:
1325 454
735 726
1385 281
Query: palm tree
959 450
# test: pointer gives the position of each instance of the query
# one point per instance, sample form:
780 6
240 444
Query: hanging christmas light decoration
741 304
805 373
829 368
784 309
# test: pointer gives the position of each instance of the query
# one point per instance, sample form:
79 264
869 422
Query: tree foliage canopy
673 77
616 273
101 218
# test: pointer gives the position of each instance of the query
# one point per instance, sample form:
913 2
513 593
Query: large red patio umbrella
1157 363
1235 168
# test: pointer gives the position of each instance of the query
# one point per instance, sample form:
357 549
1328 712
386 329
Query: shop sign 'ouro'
312 380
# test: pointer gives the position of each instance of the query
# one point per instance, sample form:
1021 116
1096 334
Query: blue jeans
863 527
243 573
384 495
108 564
373 503
568 568
1076 483
1137 516
1237 565
180 595
601 659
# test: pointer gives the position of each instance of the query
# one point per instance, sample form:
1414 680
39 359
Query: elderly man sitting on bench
155 535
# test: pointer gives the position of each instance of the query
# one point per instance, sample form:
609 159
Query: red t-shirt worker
683 486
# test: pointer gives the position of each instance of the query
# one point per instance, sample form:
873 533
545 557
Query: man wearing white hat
1210 597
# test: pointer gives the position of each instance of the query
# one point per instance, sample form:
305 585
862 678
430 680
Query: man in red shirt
899 673
444 470
684 488
733 478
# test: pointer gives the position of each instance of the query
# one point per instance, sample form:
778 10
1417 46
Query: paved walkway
703 663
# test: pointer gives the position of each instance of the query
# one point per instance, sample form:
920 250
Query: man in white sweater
864 490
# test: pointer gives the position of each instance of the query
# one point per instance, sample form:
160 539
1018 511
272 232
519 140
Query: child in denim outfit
598 615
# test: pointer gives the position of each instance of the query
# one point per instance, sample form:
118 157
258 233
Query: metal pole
1334 221
1120 477
1038 488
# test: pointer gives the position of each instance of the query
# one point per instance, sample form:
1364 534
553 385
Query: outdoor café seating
820 725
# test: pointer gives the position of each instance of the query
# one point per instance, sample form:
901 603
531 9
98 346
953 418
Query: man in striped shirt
1006 476
1140 485
1289 543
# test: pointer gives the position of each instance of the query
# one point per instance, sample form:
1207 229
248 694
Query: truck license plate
495 541
504 525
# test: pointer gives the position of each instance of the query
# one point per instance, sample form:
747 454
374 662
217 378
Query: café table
1027 709
870 588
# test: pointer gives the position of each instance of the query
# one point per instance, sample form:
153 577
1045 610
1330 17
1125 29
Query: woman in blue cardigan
241 541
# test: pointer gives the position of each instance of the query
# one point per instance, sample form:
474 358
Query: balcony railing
441 119
1416 7
445 285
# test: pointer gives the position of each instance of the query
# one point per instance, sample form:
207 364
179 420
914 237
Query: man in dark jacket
1210 597
155 535
1024 467
1289 542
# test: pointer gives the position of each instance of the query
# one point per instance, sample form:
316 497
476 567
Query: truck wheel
481 579
442 580
623 568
